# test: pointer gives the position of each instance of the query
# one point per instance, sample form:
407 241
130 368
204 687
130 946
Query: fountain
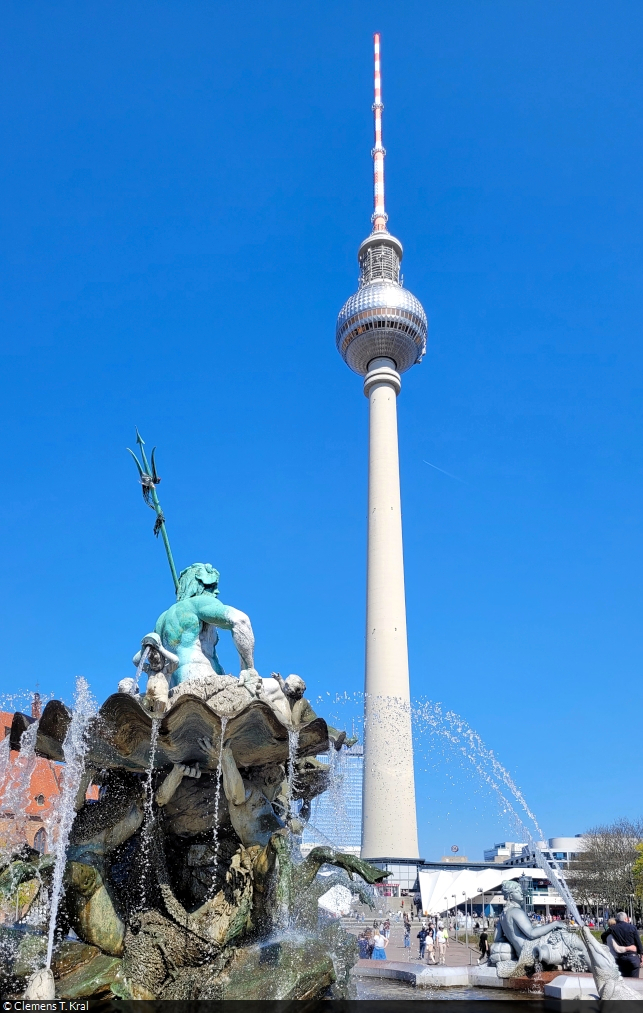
184 878
429 716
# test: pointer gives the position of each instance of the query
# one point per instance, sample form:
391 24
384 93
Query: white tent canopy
438 887
336 901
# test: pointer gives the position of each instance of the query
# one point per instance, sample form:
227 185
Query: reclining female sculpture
516 946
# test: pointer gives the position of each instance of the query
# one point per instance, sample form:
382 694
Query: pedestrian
443 937
483 946
418 905
380 943
362 945
422 934
387 928
430 945
625 943
407 936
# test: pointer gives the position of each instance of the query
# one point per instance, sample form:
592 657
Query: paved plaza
457 955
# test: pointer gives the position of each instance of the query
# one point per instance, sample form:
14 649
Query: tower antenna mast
149 479
379 217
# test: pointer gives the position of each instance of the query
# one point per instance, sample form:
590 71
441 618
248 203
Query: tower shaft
389 828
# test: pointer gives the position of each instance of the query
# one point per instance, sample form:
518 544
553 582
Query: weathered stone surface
283 969
485 976
571 986
70 956
52 729
91 981
534 983
121 732
91 909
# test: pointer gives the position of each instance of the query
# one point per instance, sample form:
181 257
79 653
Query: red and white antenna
379 217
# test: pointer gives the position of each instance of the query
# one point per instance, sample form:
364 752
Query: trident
149 480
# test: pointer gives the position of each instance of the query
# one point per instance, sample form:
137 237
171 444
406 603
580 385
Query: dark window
40 841
40 799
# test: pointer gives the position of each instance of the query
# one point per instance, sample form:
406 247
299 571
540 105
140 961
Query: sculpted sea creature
609 983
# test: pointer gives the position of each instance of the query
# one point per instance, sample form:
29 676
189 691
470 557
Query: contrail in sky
448 473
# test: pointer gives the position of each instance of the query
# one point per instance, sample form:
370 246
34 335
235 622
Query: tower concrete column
389 816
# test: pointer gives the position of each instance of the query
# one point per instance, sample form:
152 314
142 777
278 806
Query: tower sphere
382 318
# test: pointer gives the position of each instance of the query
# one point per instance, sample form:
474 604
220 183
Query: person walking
430 944
380 943
422 934
443 938
483 946
625 942
363 947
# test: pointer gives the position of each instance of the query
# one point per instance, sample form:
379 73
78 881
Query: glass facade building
336 815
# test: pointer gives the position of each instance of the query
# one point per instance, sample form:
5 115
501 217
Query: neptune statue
189 628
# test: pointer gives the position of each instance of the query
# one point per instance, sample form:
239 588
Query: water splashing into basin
293 746
74 749
429 716
139 667
148 809
217 800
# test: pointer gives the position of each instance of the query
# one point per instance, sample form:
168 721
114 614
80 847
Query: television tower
381 332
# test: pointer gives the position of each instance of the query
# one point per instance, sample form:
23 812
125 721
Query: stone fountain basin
120 734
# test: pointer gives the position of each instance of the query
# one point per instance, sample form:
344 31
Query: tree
637 871
609 872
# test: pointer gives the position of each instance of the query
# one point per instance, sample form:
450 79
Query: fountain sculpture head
512 890
199 578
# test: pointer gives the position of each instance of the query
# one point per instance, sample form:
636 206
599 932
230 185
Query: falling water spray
74 750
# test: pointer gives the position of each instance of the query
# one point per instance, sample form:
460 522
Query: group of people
372 943
432 940
432 937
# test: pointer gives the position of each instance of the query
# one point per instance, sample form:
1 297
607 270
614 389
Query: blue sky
183 187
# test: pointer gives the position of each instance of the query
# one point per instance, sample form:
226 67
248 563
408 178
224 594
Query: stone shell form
381 319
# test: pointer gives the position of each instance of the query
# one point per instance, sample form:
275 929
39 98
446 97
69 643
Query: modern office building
336 816
562 850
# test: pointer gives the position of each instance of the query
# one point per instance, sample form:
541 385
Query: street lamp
455 916
446 910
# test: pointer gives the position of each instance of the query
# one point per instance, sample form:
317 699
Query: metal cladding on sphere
381 319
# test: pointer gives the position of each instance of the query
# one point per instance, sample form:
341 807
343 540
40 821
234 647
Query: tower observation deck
381 332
